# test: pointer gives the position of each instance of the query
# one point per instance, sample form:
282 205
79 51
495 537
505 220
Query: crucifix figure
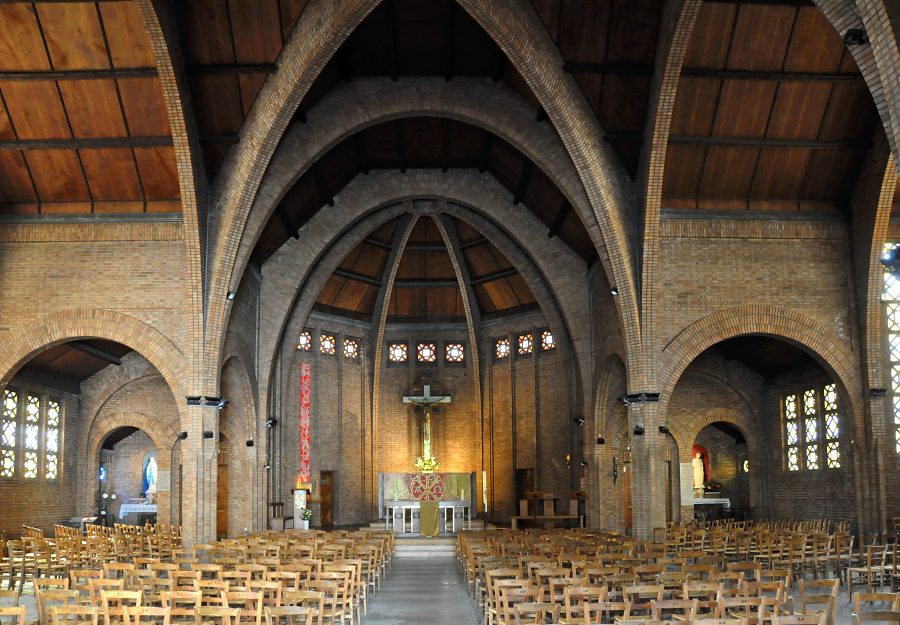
425 401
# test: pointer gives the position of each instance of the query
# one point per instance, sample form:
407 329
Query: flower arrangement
712 486
305 514
427 465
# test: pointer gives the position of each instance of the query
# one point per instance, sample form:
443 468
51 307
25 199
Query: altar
401 497
136 508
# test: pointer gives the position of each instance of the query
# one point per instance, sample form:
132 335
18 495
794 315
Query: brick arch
686 434
35 336
790 325
362 103
473 197
104 426
603 424
242 377
244 479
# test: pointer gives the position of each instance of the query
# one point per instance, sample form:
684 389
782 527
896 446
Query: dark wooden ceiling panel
815 45
159 172
760 37
58 175
93 108
70 363
850 114
290 13
73 34
21 44
35 109
684 167
111 174
15 181
780 174
695 106
708 46
218 97
727 172
257 39
831 175
144 106
128 44
798 110
743 108
520 289
207 32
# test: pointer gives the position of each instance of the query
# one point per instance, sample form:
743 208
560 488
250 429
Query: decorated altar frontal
426 503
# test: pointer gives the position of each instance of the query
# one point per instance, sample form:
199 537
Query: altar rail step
425 547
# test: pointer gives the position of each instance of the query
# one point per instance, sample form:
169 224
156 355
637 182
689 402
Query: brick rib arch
686 433
42 333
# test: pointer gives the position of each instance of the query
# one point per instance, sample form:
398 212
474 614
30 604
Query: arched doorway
720 463
127 480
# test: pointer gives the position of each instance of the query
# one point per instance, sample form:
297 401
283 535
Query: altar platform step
422 547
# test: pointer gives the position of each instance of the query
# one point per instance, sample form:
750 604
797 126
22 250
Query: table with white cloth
136 508
403 516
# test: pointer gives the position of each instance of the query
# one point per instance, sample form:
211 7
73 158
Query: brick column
198 491
648 478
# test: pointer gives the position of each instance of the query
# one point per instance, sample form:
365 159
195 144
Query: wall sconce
639 430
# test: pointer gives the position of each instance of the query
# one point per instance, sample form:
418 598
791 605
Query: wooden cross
425 401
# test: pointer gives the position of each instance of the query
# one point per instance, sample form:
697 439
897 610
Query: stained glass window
746 466
304 341
398 352
832 427
547 341
812 457
891 297
51 440
525 344
8 433
501 349
327 344
426 352
32 436
351 349
455 352
791 428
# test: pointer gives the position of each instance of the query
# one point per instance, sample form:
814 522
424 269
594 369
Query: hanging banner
303 474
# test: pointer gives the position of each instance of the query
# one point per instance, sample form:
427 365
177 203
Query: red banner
303 475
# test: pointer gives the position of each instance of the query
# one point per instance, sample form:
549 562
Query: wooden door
668 491
326 489
626 485
222 496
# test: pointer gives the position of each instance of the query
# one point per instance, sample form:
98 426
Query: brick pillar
198 491
648 479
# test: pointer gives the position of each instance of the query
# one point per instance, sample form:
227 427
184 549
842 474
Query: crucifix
425 401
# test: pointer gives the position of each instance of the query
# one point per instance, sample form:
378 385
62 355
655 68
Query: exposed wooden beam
28 375
85 144
286 221
417 283
426 247
80 74
496 275
228 69
352 275
377 243
524 179
740 74
322 185
486 139
564 210
96 352
754 142
473 243
643 69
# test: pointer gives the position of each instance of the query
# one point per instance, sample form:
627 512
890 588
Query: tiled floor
422 590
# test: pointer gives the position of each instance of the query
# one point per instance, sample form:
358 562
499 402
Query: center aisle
422 590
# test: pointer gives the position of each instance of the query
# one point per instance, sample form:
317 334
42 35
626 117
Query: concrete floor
422 591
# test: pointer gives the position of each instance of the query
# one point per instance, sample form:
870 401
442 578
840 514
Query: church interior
377 300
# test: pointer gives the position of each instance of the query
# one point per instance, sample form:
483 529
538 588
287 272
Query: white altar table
398 511
136 508
726 503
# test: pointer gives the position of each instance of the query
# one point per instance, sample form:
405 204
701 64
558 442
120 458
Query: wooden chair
606 611
46 599
815 597
74 615
800 619
13 615
114 605
215 615
289 615
309 599
9 598
672 609
248 603
148 615
210 591
878 603
182 604
536 612
870 573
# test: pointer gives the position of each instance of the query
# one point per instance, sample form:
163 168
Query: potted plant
305 518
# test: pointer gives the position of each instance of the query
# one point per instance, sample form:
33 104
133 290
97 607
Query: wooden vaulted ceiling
426 287
83 124
772 113
76 361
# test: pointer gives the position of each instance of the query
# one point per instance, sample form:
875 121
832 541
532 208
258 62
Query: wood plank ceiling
83 124
426 288
771 114
76 361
